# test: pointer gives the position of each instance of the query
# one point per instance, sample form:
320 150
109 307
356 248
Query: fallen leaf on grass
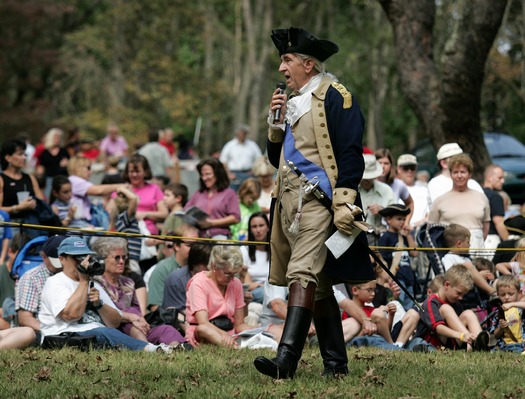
44 374
371 378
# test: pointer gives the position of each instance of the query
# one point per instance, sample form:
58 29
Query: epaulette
347 96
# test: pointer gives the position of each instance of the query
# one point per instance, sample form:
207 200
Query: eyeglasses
170 245
409 167
227 274
118 258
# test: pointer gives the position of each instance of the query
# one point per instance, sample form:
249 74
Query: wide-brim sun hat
373 168
448 150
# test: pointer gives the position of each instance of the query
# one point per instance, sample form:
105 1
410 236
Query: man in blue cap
67 300
319 128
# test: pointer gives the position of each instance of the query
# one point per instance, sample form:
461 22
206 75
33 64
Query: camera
96 266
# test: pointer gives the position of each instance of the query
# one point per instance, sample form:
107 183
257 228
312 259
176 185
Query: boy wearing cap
320 130
442 183
28 291
69 304
398 236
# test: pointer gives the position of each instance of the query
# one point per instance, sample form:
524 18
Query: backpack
28 257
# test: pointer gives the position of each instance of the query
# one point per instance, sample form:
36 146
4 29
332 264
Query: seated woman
215 305
257 257
18 190
217 199
121 290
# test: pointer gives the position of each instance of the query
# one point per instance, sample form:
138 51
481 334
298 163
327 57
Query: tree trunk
446 97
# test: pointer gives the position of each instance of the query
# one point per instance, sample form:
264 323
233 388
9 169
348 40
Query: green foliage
147 65
211 372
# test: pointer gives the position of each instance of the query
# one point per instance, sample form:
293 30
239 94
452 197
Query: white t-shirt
421 199
240 156
450 260
272 292
259 269
57 291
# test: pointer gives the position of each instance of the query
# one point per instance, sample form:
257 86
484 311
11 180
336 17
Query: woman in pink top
151 207
215 301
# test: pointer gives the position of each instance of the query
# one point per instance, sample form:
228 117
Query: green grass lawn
221 373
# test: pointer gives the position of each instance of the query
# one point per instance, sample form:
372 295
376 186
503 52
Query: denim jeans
114 338
516 348
418 341
375 340
258 295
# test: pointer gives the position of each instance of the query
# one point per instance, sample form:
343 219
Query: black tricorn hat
298 40
394 209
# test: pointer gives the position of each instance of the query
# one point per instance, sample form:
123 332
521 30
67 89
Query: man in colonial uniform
320 130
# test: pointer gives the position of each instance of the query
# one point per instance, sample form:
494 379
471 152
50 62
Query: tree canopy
444 69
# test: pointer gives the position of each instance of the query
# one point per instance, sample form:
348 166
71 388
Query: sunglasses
409 167
118 258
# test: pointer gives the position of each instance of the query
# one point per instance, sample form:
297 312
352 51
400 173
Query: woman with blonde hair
79 169
53 160
215 302
264 171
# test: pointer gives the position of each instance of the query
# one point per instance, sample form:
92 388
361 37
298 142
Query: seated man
166 266
29 288
274 310
70 304
175 285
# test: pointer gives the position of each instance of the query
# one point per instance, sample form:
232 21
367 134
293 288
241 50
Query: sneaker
182 347
481 343
164 348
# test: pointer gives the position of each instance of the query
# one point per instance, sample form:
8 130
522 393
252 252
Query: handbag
70 339
166 316
222 322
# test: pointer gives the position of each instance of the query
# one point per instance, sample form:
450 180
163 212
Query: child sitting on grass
444 323
249 192
398 236
125 221
507 325
457 238
383 316
175 197
63 206
516 266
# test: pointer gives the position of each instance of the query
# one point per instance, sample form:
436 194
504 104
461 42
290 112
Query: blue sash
310 169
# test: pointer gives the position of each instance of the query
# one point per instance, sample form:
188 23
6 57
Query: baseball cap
406 159
74 246
373 168
50 248
448 150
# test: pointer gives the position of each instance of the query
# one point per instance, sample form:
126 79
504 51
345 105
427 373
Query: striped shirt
126 224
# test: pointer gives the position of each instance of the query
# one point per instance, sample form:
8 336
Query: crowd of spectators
160 293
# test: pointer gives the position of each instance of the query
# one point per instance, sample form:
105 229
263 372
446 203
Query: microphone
277 116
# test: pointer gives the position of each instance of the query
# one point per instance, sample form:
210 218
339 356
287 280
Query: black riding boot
327 320
296 326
